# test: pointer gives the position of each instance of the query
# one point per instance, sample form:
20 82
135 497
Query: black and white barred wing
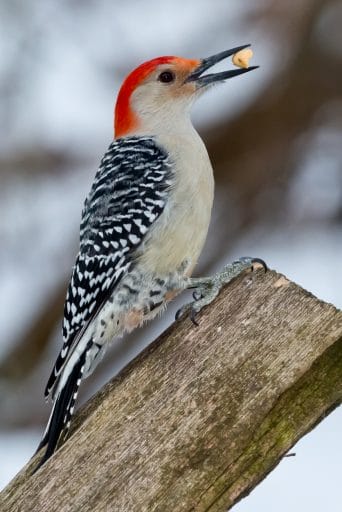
129 193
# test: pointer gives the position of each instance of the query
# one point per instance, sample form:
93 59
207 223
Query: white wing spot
134 239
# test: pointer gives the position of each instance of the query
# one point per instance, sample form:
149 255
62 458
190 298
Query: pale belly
179 237
181 230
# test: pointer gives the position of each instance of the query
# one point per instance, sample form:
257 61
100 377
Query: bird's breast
180 232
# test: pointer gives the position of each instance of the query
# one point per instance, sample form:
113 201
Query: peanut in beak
241 59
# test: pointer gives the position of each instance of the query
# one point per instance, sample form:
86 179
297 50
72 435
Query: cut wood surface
204 413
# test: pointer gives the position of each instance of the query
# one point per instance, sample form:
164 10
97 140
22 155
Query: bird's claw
244 263
257 262
197 295
207 289
188 309
193 316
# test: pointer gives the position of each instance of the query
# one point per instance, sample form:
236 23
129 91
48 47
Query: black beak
196 76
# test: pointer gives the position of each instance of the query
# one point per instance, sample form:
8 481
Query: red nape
125 119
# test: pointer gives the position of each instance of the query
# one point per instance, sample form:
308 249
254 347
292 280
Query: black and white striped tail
63 409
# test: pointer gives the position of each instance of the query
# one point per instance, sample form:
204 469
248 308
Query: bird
143 226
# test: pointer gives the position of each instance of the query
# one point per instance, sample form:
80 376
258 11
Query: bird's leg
207 288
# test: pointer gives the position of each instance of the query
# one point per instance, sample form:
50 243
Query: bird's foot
207 288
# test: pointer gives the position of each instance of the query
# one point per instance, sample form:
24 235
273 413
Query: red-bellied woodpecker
143 225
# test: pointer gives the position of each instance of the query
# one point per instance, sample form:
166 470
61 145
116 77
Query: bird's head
161 91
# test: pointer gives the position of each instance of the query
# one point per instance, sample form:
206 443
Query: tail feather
63 408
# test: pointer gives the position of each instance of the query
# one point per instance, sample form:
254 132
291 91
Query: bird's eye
166 77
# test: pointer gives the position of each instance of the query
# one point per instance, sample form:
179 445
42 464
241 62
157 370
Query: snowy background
274 137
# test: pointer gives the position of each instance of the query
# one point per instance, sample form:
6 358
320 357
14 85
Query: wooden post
203 414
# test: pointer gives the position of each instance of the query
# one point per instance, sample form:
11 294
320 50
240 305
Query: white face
165 98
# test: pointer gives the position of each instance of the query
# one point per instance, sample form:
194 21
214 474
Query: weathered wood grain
203 414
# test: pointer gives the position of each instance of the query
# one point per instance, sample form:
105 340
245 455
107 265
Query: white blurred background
274 137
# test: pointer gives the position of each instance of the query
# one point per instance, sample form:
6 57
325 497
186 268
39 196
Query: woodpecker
143 226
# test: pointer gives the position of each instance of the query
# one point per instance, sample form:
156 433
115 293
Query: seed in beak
241 59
